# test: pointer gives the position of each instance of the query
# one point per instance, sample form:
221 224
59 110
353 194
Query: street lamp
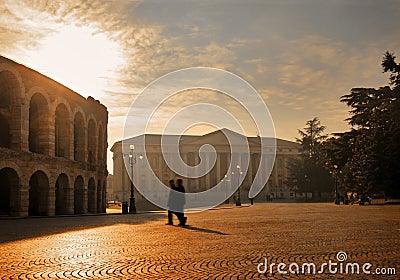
336 185
225 182
132 161
238 201
335 174
305 185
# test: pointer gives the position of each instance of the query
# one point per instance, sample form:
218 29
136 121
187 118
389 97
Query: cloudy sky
301 56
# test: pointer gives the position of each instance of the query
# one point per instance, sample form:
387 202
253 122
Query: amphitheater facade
53 146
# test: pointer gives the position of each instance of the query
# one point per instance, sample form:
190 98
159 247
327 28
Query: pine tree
375 116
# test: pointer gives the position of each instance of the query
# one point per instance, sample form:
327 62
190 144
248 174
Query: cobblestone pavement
218 244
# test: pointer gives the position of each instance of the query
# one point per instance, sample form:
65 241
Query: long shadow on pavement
204 230
20 229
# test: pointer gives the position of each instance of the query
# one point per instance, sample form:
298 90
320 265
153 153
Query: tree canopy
366 158
307 173
375 142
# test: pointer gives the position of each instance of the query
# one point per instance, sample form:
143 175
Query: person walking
181 215
176 202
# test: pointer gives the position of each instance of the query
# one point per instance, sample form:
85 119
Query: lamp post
132 161
335 175
132 206
238 201
305 185
225 182
336 185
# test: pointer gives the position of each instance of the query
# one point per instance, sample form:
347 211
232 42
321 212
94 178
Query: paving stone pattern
224 243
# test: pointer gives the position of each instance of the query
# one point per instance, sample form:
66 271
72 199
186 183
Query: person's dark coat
176 199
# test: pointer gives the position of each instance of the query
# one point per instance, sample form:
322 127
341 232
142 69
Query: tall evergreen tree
307 173
311 137
375 115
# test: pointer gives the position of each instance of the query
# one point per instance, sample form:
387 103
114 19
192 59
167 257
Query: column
24 126
23 200
71 138
85 197
51 198
51 145
208 176
70 196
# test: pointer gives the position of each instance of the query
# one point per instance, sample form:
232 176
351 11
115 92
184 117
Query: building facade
53 146
189 147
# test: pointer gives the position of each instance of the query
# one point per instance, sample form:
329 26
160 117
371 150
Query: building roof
155 139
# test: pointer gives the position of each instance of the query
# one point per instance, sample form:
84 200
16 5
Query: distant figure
181 188
176 202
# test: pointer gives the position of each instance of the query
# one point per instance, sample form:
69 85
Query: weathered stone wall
53 148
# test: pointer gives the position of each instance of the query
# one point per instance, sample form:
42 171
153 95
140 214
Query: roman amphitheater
53 145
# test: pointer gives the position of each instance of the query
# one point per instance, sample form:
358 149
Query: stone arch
63 101
62 131
9 191
16 76
62 193
91 196
5 133
79 137
39 124
91 143
11 90
14 166
38 194
35 90
79 195
6 96
79 110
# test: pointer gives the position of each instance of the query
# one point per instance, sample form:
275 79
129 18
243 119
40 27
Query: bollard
125 207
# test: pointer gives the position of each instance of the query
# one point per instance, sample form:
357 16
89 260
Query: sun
80 57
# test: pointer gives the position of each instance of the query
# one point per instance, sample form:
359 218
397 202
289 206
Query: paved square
218 244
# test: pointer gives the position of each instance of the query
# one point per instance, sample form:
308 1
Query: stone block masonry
53 146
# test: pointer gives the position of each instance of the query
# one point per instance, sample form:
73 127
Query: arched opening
79 138
79 196
91 196
38 194
62 188
9 190
100 145
5 136
5 89
99 197
10 111
62 131
91 145
38 124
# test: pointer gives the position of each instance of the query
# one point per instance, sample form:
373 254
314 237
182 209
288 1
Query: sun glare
79 57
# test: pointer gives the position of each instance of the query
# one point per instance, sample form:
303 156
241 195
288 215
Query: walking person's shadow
189 227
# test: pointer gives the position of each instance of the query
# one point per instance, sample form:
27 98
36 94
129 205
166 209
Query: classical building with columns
53 146
189 147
